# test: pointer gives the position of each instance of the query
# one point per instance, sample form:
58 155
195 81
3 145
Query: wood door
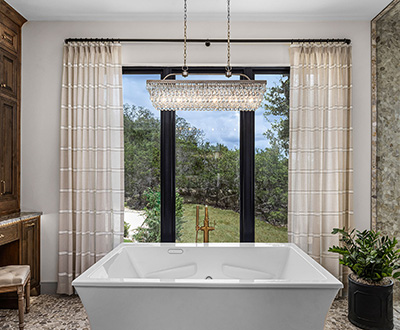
9 157
8 74
31 251
9 36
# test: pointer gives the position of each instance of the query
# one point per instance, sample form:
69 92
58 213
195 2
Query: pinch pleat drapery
91 158
320 152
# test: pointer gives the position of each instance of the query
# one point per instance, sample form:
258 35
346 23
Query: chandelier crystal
206 95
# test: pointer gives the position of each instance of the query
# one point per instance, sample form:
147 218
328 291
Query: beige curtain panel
320 153
91 158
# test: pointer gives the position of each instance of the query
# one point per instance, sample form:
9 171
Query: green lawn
226 226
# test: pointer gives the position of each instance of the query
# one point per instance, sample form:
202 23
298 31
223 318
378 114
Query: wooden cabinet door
8 74
31 251
9 36
9 157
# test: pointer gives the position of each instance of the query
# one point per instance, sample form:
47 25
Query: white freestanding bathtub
243 286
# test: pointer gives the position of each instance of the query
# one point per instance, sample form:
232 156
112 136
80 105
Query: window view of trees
271 162
207 170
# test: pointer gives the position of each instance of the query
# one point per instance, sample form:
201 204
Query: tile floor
67 313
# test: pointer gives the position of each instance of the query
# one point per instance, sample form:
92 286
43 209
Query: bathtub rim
330 282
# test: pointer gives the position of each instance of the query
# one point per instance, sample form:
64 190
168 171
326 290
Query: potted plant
373 258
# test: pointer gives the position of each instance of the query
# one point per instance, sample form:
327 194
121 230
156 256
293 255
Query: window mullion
167 155
247 169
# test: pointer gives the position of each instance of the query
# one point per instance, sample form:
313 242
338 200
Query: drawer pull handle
1 236
30 224
6 37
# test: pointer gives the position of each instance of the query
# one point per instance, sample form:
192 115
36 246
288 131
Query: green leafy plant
277 105
150 231
368 254
127 226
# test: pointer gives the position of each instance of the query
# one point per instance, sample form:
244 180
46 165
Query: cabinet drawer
8 38
8 233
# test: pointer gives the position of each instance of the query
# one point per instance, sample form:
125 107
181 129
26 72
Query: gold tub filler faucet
206 226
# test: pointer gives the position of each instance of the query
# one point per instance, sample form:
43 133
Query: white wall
41 87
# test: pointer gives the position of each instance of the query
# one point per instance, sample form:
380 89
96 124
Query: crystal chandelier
206 95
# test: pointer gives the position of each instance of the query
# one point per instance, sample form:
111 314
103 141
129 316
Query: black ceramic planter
370 306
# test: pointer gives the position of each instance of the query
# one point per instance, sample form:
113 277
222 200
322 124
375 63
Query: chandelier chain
206 95
228 67
184 67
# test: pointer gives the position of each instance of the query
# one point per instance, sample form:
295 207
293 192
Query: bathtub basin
220 286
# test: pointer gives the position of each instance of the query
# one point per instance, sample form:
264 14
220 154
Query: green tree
226 178
271 185
187 133
150 230
277 105
189 161
142 154
207 174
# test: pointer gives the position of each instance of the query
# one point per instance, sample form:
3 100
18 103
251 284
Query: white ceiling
261 10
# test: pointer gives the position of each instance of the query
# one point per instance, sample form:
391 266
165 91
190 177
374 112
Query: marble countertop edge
16 217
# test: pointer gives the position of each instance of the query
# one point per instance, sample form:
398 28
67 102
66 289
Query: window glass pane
142 161
271 161
207 172
207 166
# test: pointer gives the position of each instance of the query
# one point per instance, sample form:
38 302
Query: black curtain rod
208 42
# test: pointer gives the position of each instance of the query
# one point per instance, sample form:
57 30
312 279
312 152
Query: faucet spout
206 228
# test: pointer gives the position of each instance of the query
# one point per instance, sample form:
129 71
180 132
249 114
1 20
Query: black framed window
168 149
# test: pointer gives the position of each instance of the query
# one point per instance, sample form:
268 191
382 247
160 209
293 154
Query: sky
218 126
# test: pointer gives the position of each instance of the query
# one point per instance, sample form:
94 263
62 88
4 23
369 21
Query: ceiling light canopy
206 95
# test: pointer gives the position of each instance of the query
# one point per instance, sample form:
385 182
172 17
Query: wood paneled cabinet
9 73
19 232
30 251
9 157
10 81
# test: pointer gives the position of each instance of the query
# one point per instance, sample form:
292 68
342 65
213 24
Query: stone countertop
15 217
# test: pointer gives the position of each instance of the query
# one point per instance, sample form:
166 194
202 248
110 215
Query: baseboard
48 287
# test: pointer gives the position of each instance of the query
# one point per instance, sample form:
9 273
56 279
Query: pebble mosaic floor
67 313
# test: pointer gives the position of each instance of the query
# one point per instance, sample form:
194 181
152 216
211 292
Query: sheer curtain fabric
91 158
320 153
